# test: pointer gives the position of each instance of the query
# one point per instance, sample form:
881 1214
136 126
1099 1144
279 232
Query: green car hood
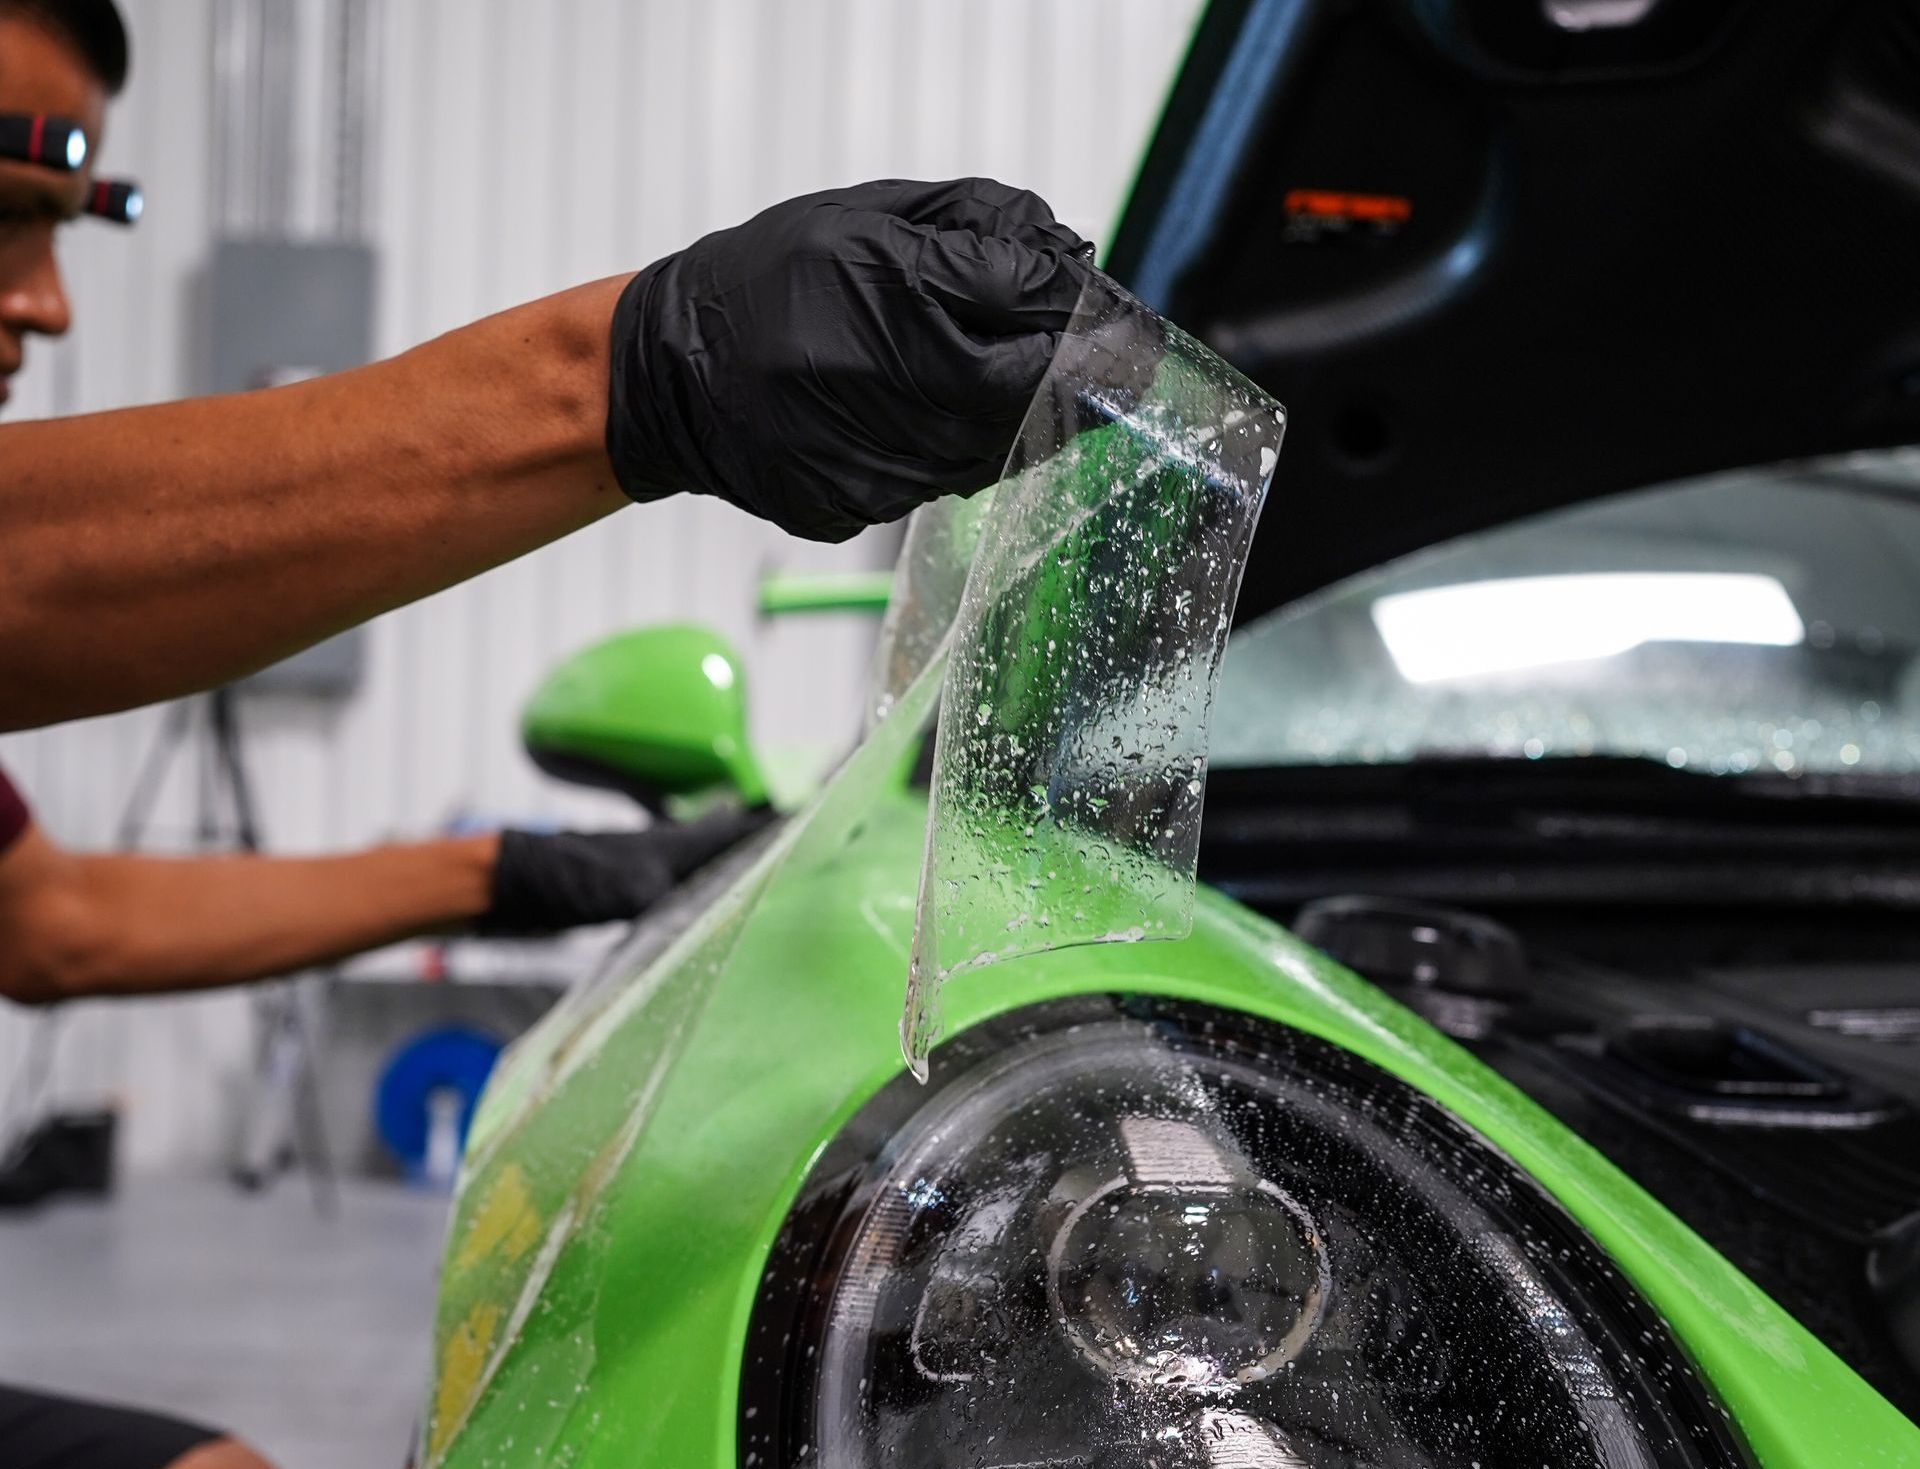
633 1354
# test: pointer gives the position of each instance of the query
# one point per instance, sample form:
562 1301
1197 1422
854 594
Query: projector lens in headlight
1193 1276
1141 1235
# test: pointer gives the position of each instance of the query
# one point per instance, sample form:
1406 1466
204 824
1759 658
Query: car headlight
1140 1233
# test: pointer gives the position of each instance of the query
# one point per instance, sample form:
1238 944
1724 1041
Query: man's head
64 58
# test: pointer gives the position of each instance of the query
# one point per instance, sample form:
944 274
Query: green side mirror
785 593
655 713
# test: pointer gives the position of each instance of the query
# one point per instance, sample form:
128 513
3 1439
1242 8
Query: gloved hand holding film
844 357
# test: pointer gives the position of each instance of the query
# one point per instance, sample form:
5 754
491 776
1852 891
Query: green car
1537 1083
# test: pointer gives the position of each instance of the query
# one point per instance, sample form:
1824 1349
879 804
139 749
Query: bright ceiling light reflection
1482 627
718 670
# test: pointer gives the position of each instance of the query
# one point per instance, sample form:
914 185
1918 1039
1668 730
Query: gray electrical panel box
283 310
287 309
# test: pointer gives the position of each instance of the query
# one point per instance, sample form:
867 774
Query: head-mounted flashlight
61 144
118 200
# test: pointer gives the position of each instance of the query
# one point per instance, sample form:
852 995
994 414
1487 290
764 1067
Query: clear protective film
1138 475
928 581
1072 750
568 1107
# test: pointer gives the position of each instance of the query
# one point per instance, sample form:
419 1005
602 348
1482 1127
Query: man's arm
827 365
154 551
74 925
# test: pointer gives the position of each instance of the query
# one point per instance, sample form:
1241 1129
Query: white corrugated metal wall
516 149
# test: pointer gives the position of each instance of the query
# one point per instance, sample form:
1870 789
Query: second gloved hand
841 358
546 882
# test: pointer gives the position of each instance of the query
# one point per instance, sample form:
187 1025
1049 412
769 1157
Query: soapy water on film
567 1111
1071 756
1103 571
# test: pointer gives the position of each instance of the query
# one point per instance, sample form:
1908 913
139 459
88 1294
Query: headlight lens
1152 1235
1196 1273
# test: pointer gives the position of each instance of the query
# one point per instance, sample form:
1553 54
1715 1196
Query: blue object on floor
423 1082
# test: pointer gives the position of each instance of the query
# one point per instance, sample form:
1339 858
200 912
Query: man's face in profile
39 73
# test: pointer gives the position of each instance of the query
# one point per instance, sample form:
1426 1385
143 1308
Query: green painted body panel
802 1031
663 706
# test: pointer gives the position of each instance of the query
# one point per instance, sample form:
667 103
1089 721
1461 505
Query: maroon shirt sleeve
14 816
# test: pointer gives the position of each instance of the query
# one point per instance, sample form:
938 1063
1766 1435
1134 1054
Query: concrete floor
307 1337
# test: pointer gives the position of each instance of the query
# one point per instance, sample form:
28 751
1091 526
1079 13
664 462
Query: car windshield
1762 621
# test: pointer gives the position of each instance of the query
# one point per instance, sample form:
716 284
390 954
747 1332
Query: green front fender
633 1356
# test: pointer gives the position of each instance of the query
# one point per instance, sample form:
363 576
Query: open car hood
1497 262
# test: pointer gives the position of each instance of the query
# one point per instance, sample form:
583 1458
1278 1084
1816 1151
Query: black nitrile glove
843 357
546 882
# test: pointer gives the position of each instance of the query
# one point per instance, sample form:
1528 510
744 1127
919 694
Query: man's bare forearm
827 365
155 551
128 925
